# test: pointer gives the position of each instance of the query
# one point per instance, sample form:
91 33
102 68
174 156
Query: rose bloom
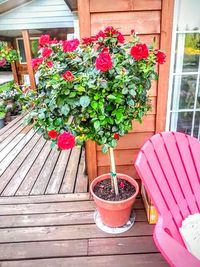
116 136
46 52
70 46
44 39
120 38
103 62
35 62
53 134
139 51
68 76
100 34
2 62
49 63
88 40
66 141
160 57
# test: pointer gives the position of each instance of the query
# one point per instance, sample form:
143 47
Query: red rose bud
88 40
122 185
160 57
116 136
44 40
139 51
120 38
46 52
35 62
49 63
66 141
70 46
68 76
133 32
104 62
2 62
53 134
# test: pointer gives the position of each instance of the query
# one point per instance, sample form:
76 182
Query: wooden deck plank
71 171
58 218
9 147
6 130
28 183
141 260
119 245
58 173
63 232
12 209
81 179
20 174
45 174
44 198
30 250
5 163
17 158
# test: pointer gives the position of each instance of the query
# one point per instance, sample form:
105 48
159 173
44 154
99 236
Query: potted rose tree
94 90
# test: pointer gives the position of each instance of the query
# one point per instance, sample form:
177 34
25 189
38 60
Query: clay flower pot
114 213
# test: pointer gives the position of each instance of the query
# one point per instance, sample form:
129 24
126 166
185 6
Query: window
184 92
34 42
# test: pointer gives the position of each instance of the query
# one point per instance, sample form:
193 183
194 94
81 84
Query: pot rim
135 184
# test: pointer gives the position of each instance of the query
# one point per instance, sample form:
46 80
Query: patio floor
58 230
28 166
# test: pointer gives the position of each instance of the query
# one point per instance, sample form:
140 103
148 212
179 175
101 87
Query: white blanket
190 232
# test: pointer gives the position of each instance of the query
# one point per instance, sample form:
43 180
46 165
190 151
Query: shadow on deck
28 166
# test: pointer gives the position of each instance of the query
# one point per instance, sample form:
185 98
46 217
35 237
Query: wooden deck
28 166
58 231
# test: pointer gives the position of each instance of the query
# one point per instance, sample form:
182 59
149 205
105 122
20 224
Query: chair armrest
175 254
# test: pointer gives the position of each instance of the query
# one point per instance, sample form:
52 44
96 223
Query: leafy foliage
88 102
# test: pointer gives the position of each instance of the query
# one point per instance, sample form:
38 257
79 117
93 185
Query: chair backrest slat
169 166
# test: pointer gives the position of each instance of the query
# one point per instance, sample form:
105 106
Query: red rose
160 57
104 62
120 38
53 134
88 40
109 30
139 51
54 41
66 141
68 76
44 39
70 46
46 52
100 34
116 136
50 63
35 62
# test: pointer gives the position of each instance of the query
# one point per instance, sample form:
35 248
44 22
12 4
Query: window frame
20 38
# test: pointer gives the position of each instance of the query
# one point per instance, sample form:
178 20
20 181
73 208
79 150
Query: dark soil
104 190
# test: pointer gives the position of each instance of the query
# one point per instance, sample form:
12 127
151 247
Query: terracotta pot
114 213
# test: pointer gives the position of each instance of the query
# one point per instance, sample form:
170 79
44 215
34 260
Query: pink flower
2 62
70 46
104 62
49 63
66 141
35 62
46 52
68 76
139 51
44 39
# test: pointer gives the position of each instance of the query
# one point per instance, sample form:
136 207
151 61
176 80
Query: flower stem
113 172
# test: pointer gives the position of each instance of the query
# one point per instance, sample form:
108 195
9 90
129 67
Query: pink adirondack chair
169 166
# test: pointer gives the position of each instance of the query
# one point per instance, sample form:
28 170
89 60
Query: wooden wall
150 18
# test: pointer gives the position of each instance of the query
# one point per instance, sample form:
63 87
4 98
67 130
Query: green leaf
84 101
65 110
72 94
113 143
111 97
131 102
132 92
104 149
41 116
94 105
53 143
97 125
124 90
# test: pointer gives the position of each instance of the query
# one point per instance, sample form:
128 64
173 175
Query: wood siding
151 19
